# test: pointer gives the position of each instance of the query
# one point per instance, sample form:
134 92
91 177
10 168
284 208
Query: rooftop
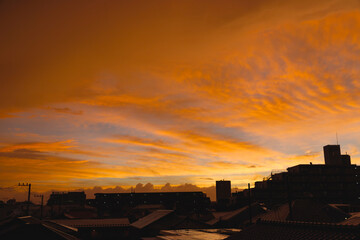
152 217
82 223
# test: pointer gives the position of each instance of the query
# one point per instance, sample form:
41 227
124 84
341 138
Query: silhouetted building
67 198
223 192
336 181
345 159
332 155
116 204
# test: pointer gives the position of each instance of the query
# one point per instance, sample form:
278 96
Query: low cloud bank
149 187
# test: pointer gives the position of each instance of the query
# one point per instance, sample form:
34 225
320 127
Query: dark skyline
306 201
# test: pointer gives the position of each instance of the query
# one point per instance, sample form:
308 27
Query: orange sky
107 93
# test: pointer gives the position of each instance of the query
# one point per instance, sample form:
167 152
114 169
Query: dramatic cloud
116 93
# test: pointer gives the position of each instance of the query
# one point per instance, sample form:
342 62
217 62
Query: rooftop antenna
337 140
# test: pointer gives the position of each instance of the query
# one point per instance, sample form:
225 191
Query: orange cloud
210 92
41 146
65 110
142 142
67 146
230 165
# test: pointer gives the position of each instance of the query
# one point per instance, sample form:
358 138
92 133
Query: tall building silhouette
332 155
223 192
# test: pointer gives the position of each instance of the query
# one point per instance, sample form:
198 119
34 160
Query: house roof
151 218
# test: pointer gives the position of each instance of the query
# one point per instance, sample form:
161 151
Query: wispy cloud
65 110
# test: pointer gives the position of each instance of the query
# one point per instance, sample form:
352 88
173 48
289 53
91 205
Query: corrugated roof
79 223
152 217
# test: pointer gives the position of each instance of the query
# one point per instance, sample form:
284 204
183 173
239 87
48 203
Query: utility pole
42 204
29 191
289 197
250 217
